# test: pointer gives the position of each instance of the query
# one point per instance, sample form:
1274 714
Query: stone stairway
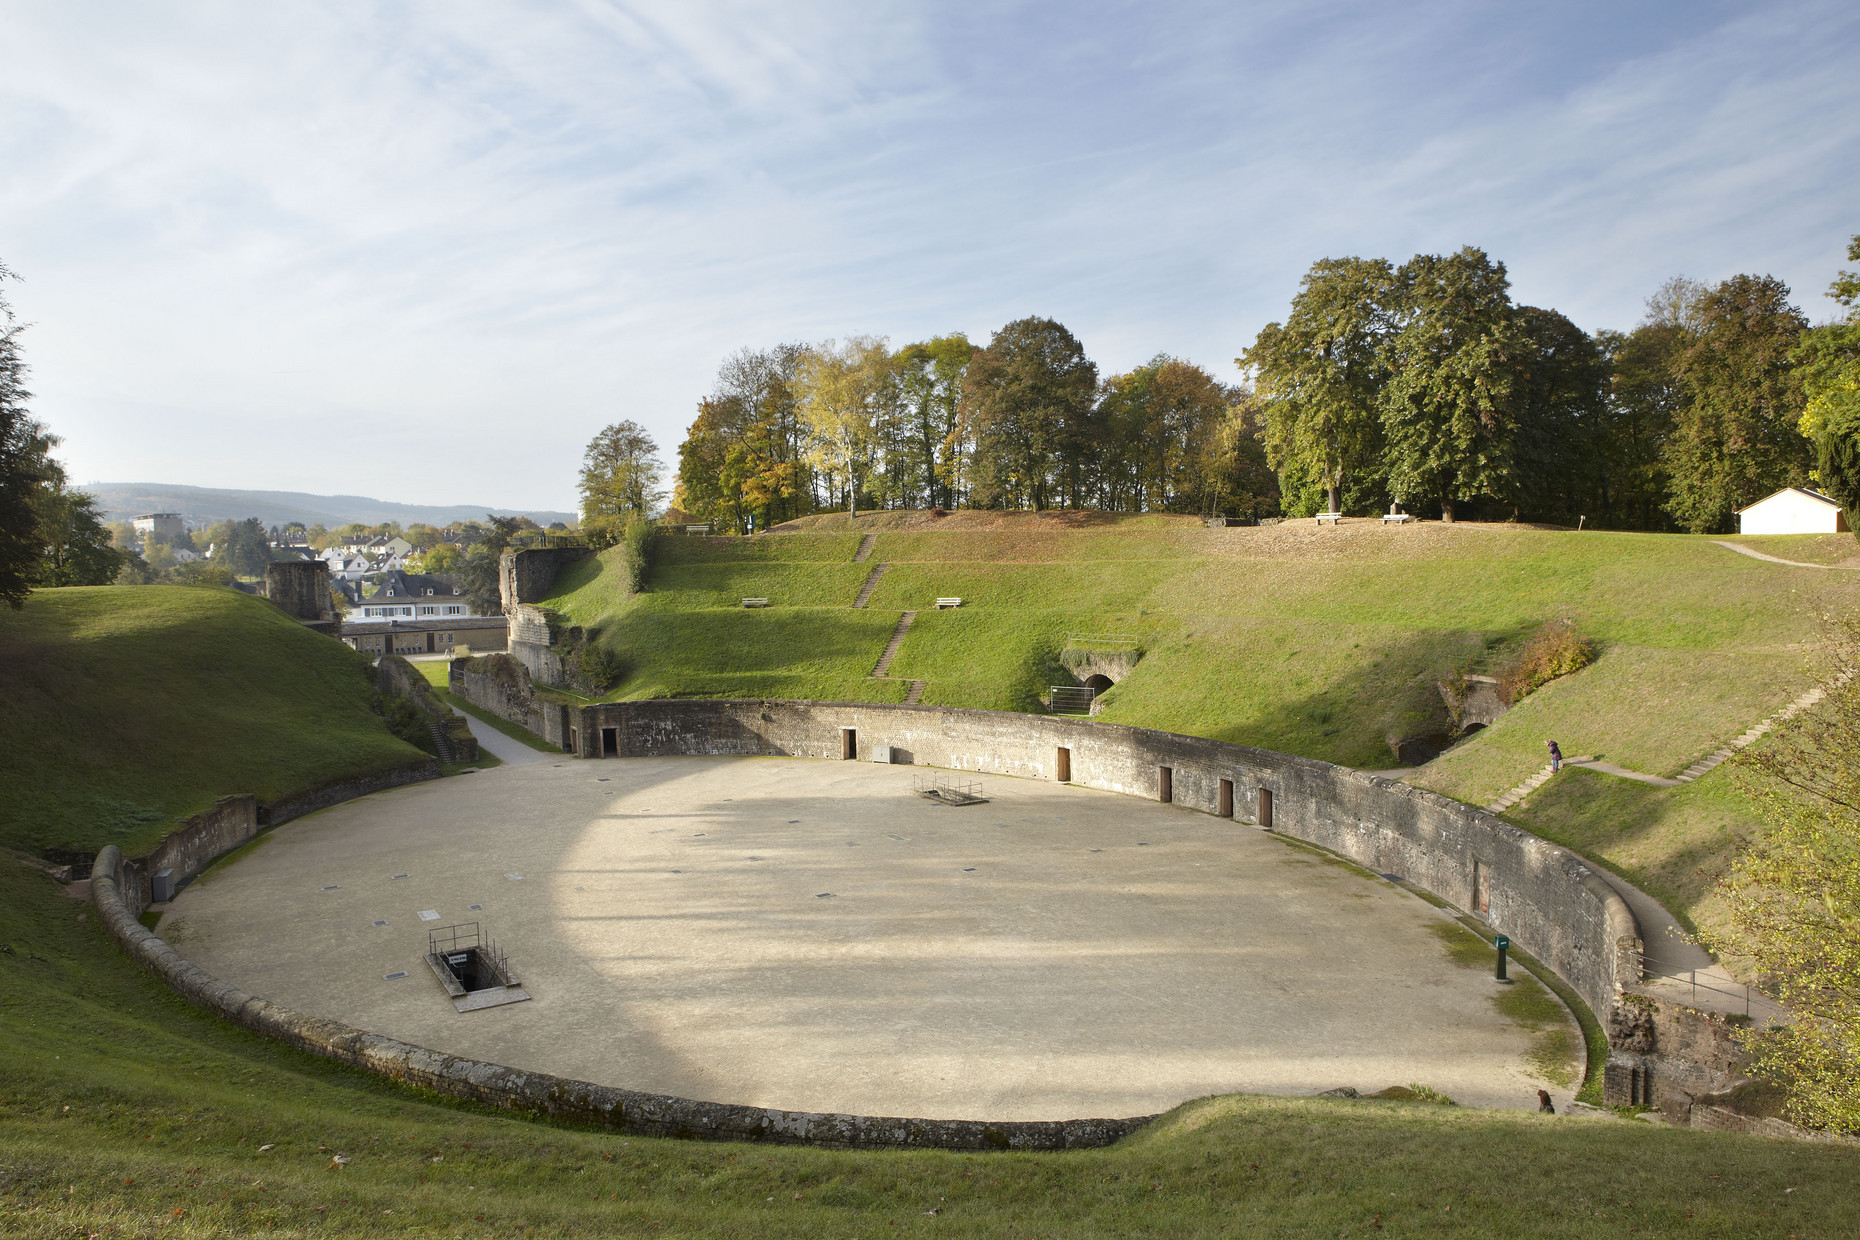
865 548
1717 756
871 582
1525 789
891 647
441 741
916 694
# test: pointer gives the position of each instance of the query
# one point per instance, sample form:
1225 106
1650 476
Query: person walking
1556 757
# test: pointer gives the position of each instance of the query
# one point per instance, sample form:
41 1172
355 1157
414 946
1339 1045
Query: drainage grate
332 887
514 877
476 908
393 977
429 914
400 876
381 923
825 895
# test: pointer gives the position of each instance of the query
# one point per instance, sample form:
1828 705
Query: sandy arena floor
811 936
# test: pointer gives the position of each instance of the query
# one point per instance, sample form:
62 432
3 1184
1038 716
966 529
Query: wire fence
1737 992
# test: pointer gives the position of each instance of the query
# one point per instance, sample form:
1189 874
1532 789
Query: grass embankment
1317 642
124 1111
1321 642
126 709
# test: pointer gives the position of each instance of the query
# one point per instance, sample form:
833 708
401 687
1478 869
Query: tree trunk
1446 511
1333 498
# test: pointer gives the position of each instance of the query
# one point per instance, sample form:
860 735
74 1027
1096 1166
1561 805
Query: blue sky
424 251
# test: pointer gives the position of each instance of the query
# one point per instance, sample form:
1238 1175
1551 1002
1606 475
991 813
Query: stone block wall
525 576
191 847
1551 904
301 589
1664 1054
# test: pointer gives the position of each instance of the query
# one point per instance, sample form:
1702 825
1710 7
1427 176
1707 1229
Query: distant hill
122 500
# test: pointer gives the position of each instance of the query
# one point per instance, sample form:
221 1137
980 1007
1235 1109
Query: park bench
943 603
1398 518
1332 517
755 602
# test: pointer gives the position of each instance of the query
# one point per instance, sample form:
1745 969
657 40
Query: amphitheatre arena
806 934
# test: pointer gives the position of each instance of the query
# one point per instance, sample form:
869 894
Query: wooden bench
1332 517
943 603
755 602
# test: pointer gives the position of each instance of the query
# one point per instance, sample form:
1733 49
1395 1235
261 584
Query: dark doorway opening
1097 683
1482 889
1062 765
574 741
610 742
1224 803
1265 808
849 744
1165 783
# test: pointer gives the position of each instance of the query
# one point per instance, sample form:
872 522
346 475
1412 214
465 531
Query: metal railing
1715 985
1072 699
1095 640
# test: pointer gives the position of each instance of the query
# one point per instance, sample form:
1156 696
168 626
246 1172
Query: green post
1502 943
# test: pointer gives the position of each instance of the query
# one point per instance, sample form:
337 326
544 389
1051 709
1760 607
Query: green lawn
126 1112
1319 642
126 708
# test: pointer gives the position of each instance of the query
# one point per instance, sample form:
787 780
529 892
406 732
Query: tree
242 549
1561 467
931 374
844 392
1643 402
1794 898
21 464
1320 374
1829 358
480 574
75 541
443 558
1450 409
1737 436
1028 399
620 475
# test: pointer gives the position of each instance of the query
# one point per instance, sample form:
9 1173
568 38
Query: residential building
165 526
415 596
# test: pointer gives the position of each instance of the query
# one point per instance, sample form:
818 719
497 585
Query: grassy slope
123 1111
1317 642
128 708
1314 642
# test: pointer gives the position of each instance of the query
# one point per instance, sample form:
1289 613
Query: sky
424 251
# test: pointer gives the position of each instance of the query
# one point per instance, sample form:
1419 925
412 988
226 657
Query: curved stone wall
625 1110
1549 903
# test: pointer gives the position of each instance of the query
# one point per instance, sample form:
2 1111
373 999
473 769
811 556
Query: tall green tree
1028 399
21 463
1453 403
930 376
846 393
243 548
620 476
76 543
1737 436
1321 373
1829 358
1560 468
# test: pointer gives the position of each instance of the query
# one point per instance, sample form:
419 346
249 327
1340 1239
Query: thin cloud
425 251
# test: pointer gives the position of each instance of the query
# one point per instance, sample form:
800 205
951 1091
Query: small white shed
1793 511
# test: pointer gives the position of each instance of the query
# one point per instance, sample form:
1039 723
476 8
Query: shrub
1553 651
638 538
599 666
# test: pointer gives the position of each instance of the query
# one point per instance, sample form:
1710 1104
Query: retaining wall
190 848
276 813
1550 903
625 1110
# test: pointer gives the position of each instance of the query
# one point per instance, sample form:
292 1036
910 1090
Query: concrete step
871 582
916 694
865 548
897 639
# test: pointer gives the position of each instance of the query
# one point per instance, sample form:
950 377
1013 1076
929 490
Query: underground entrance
472 968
